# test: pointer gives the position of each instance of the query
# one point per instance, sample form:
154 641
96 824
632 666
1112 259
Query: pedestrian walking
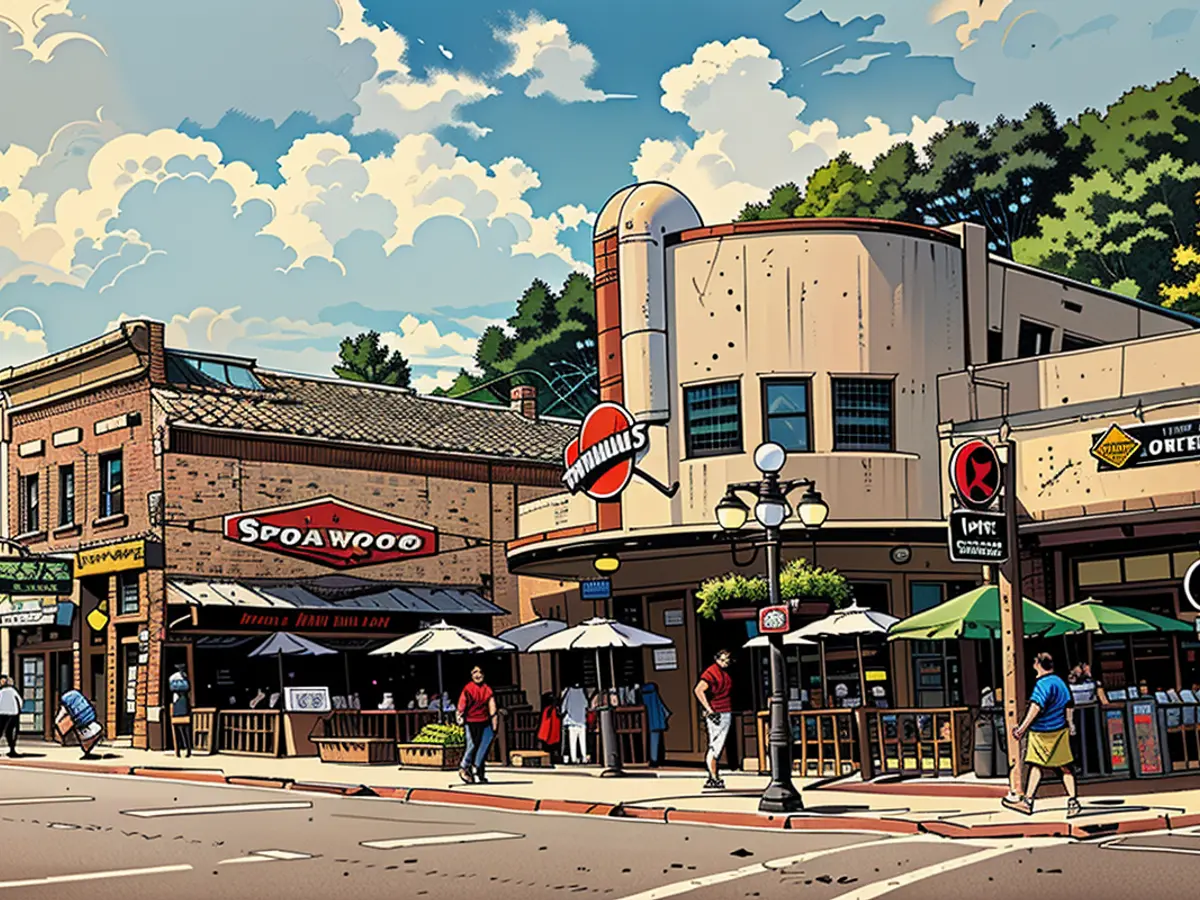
657 716
550 727
477 713
77 714
1049 728
714 690
181 710
574 709
10 713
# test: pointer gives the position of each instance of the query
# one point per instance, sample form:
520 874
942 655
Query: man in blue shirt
1050 730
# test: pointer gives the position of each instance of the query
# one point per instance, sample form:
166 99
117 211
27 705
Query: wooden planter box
431 756
371 751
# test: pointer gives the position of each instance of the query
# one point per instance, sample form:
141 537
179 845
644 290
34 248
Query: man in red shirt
714 690
478 714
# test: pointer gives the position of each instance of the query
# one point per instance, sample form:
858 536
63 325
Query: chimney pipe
524 400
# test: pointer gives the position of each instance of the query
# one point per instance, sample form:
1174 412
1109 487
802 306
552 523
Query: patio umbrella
975 615
283 644
1099 618
597 634
524 636
443 638
853 621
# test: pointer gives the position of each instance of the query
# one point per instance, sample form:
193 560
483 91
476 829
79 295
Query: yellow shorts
1049 749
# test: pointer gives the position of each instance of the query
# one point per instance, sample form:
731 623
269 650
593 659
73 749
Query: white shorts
718 731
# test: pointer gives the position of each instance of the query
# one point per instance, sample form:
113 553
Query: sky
271 177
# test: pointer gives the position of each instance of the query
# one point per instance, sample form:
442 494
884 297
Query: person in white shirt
574 709
10 713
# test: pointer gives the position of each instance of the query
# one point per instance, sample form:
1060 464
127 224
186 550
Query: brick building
208 501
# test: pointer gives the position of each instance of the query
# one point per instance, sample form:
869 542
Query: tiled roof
351 411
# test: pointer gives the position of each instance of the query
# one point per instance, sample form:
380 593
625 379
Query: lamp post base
780 798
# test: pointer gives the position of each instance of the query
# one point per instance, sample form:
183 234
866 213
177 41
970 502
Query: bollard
609 743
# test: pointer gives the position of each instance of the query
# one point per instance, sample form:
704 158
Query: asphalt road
66 836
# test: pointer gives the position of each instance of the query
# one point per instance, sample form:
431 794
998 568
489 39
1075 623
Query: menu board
1145 733
1114 723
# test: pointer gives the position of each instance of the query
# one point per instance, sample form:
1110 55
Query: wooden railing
203 724
826 742
920 741
521 729
1181 733
251 732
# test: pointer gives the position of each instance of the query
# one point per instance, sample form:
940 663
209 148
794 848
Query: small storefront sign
1118 758
36 576
978 537
595 589
333 533
774 620
603 459
25 618
665 659
122 557
307 699
975 474
1145 736
672 618
1154 444
296 620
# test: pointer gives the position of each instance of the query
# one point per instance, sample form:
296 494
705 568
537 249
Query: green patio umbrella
1097 617
975 615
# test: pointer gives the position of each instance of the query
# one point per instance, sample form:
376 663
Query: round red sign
601 460
975 474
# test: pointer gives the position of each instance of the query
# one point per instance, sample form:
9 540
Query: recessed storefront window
112 485
1098 571
862 414
713 418
786 414
29 504
1148 568
66 495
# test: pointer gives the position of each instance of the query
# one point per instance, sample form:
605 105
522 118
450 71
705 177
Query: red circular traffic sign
975 474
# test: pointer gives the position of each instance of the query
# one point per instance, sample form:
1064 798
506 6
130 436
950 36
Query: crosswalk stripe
213 810
93 876
28 801
437 839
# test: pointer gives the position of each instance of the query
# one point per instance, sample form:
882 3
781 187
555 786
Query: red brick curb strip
666 815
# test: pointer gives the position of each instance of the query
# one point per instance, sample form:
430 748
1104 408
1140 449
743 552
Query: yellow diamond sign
1116 447
97 620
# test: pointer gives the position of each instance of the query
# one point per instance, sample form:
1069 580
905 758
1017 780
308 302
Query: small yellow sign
1116 447
111 558
97 620
876 675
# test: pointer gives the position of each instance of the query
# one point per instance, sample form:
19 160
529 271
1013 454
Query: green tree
1142 125
780 204
366 358
1003 177
467 387
536 311
1182 290
1118 231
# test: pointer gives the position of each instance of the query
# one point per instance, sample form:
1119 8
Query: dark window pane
1077 342
785 398
128 593
1033 339
786 411
995 346
789 432
713 414
243 378
862 414
66 495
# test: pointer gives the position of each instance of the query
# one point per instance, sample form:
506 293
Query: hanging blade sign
603 459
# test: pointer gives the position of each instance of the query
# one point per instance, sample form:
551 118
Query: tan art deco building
827 336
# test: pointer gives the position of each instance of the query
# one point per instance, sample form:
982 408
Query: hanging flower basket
799 582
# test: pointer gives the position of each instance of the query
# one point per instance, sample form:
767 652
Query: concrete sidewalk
960 808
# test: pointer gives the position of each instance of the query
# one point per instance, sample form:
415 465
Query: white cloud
750 136
854 66
976 13
19 344
556 65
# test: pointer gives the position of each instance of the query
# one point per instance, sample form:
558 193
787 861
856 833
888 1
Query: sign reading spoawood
1121 447
978 537
333 533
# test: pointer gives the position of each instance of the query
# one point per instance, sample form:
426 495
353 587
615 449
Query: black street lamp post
770 510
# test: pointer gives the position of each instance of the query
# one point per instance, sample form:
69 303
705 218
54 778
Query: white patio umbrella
853 621
791 639
443 638
597 634
524 636
283 644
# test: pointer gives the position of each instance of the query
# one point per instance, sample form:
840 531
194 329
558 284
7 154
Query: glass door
33 691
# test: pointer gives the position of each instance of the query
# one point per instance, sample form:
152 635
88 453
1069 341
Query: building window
112 485
713 418
862 414
924 596
786 414
29 507
1077 342
1033 339
66 496
995 346
127 593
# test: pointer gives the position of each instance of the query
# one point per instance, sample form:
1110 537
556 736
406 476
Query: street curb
665 815
963 791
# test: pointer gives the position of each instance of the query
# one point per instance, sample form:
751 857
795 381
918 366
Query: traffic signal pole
1012 625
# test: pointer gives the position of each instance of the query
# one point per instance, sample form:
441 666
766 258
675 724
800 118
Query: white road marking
703 881
93 876
267 856
879 888
213 810
1186 851
23 801
437 839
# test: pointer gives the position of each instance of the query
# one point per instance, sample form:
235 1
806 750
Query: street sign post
36 576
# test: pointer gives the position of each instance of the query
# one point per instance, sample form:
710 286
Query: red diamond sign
333 533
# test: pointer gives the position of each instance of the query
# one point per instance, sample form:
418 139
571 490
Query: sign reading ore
1154 444
333 533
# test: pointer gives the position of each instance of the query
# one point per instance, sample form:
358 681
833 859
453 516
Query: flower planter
371 751
431 756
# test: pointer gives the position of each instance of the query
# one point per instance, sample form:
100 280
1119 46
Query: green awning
975 615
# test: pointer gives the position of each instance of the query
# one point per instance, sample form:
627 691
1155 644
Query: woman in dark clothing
181 711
